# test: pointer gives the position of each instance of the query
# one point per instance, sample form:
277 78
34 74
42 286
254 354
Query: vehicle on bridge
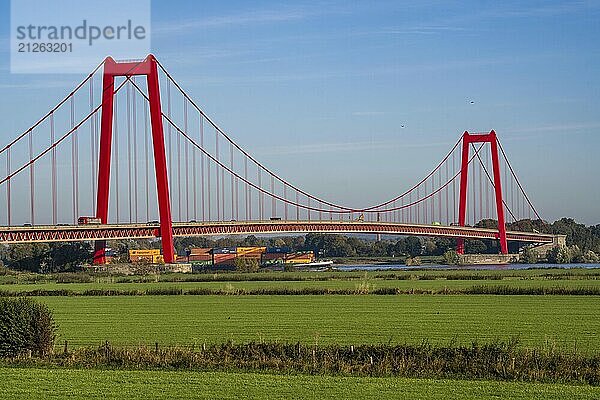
89 221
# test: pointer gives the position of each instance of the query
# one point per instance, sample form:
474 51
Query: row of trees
46 257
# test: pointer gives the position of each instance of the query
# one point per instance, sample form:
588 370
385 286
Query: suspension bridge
132 151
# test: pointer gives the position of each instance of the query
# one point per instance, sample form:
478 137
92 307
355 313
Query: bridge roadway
69 233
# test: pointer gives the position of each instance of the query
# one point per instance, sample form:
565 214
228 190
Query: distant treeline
583 242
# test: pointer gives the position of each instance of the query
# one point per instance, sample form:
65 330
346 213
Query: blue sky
320 91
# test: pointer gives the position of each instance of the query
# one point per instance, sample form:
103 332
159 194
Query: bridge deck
67 233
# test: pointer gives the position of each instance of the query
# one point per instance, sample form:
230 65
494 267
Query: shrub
528 256
243 264
3 270
73 277
506 361
451 257
25 326
413 261
565 255
590 257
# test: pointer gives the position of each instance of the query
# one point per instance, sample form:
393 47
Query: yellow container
254 252
144 252
299 260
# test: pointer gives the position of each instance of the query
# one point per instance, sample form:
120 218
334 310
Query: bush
565 255
506 361
25 326
528 256
451 257
246 264
590 257
73 277
412 261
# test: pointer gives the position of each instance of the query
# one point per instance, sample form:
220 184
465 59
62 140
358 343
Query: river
461 267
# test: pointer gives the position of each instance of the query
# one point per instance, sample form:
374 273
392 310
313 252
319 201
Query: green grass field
333 284
33 383
566 321
543 321
436 280
530 273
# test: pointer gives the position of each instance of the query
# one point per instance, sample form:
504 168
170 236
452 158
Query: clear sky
320 91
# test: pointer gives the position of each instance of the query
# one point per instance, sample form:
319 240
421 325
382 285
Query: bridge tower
148 68
467 140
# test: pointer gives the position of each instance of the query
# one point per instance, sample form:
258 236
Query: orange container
200 250
224 259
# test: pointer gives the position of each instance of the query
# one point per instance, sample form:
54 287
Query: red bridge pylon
148 68
467 140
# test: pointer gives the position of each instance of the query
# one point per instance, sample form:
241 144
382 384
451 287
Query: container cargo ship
225 257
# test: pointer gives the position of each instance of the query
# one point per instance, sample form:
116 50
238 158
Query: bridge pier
487 259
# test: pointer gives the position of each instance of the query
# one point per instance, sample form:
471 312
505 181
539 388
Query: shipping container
224 259
278 250
181 259
299 260
224 250
301 257
293 255
200 263
224 256
250 252
225 262
271 256
210 268
158 259
251 249
200 250
304 254
272 261
144 252
200 257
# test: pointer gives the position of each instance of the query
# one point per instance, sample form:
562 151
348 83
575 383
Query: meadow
434 280
171 311
28 383
567 322
337 284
